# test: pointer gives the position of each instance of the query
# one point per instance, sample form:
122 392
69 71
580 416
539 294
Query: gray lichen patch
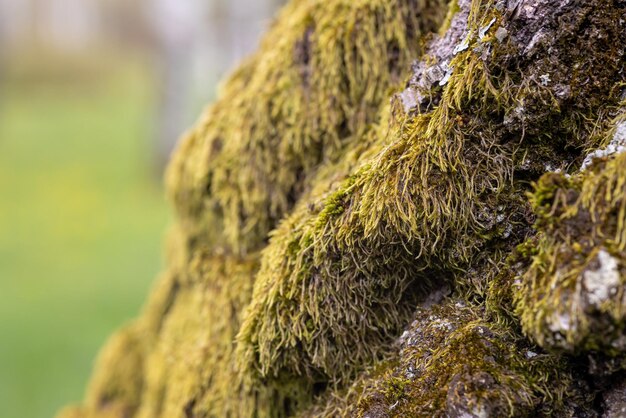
614 401
602 282
434 69
616 146
501 34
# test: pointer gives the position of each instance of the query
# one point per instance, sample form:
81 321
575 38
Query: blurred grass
81 222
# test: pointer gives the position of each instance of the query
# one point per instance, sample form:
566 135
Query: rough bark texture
359 236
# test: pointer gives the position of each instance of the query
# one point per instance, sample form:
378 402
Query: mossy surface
451 362
314 87
436 189
572 296
323 211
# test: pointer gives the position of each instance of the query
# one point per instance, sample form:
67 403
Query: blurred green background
81 219
93 94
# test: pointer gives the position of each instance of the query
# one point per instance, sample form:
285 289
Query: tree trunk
359 236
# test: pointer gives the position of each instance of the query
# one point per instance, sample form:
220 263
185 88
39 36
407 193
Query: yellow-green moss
119 388
315 86
451 362
424 199
379 239
315 214
191 366
572 296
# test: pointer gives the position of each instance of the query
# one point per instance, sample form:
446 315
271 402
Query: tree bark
396 208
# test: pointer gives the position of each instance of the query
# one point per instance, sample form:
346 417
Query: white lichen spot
616 146
408 99
501 34
537 39
530 354
410 372
463 46
601 283
446 77
560 322
444 325
529 9
434 73
483 31
481 412
478 412
619 343
549 168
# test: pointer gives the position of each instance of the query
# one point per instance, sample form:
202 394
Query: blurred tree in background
192 42
193 36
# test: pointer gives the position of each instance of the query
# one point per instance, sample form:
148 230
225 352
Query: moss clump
314 87
431 192
116 391
451 362
185 346
377 242
572 296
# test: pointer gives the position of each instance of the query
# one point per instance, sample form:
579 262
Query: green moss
452 362
313 88
499 297
190 367
571 297
411 200
424 198
119 388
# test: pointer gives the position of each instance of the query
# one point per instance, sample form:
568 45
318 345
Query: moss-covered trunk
396 208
